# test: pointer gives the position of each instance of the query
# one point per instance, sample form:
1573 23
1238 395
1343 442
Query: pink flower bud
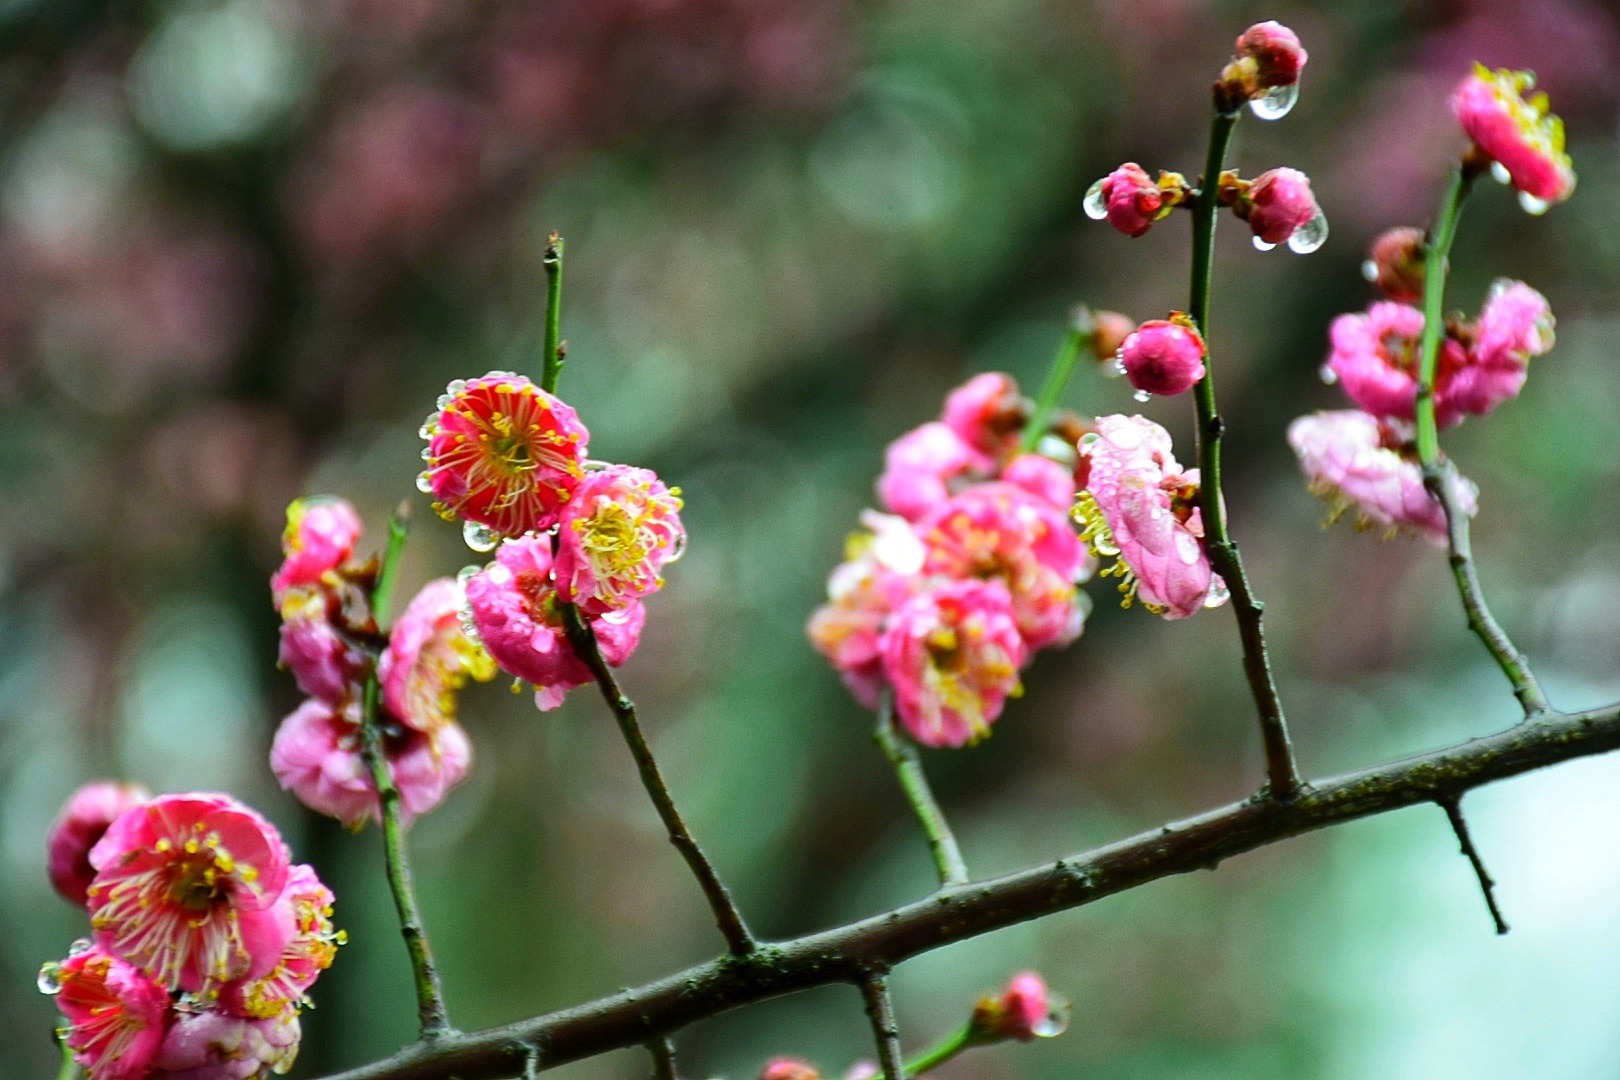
1130 199
1164 358
1027 1011
788 1068
116 1015
1519 134
1277 54
324 664
1395 263
207 1044
320 537
1280 209
81 823
987 412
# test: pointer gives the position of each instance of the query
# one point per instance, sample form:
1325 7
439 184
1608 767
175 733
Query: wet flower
323 662
1025 1011
320 536
789 1068
952 655
1164 357
616 534
996 531
1280 208
1375 358
1277 55
430 657
515 609
1515 324
503 453
1354 462
1395 263
1132 201
988 413
80 824
312 945
316 755
183 888
116 1014
209 1044
881 570
1517 133
919 466
1140 507
1040 475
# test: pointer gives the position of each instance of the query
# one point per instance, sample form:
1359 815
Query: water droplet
458 385
615 618
479 537
424 482
1329 376
1369 270
1114 367
1533 205
1055 448
1499 171
1096 204
426 430
79 947
444 400
1054 1023
1261 245
592 465
427 453
50 979
1218 593
1142 395
1089 439
1275 103
677 548
1309 236
466 573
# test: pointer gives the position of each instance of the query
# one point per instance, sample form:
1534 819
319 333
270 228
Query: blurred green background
244 244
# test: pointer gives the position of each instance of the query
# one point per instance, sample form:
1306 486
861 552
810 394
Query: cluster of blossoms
509 460
206 937
1365 459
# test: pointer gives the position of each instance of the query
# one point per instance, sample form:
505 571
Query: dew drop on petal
426 430
1089 439
479 537
1533 205
593 465
1142 395
1329 376
1369 270
1055 448
1096 204
466 573
1309 236
50 979
677 549
79 947
1261 245
1499 171
1275 103
424 482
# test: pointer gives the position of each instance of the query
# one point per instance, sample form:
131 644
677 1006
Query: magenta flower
952 655
429 658
1130 199
919 466
320 537
1025 1011
1515 324
1140 507
1275 51
311 946
995 531
1375 357
503 453
82 821
116 1015
1395 263
881 569
1354 462
1163 357
316 756
324 663
988 413
514 606
1041 476
615 535
208 1044
1280 208
183 889
1518 134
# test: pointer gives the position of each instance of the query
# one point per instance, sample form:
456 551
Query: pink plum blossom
116 1015
209 1044
1395 263
919 466
1517 133
1276 52
430 657
320 536
881 569
183 889
996 531
324 663
80 824
1278 205
503 453
1375 358
310 949
1163 357
952 655
615 535
987 411
1140 507
1130 199
1040 475
1515 324
316 755
515 608
789 1068
1355 462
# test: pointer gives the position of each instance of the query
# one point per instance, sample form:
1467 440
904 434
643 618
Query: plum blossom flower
1517 133
919 466
1515 324
1355 462
324 663
320 536
1280 208
1026 1010
82 821
1041 476
1140 507
502 453
116 1015
1002 532
183 889
1395 263
1132 201
430 657
1375 358
317 756
515 608
881 570
952 655
310 949
209 1044
1164 357
988 412
616 534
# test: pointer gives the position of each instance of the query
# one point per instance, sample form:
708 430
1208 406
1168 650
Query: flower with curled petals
920 466
82 821
183 888
1515 325
988 412
615 536
320 537
1141 508
430 657
1040 475
310 949
502 453
211 1044
116 1014
1520 134
882 568
324 663
1375 358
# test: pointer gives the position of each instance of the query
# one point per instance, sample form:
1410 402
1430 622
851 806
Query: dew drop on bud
1533 205
1499 171
1054 1023
50 979
1096 204
1369 270
1329 376
479 537
676 549
1261 245
1142 395
1115 367
1218 593
1309 236
424 483
1275 103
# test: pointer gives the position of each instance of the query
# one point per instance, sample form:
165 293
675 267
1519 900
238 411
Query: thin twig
914 782
847 953
885 1028
1057 377
1452 805
552 359
726 915
663 1058
1282 774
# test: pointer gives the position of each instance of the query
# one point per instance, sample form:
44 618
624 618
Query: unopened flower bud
1025 1011
1109 329
1132 201
789 1068
1164 357
1395 264
82 822
1519 134
1279 208
1264 72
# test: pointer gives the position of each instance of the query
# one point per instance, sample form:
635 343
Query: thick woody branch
849 953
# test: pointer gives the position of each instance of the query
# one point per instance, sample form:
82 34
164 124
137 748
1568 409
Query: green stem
1435 266
430 1007
726 915
954 1044
908 768
1281 773
1057 377
552 360
70 1068
885 1029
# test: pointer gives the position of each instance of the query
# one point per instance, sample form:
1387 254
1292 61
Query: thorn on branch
1452 805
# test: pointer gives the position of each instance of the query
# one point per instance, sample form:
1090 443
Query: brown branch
1452 805
850 953
663 1058
885 1028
